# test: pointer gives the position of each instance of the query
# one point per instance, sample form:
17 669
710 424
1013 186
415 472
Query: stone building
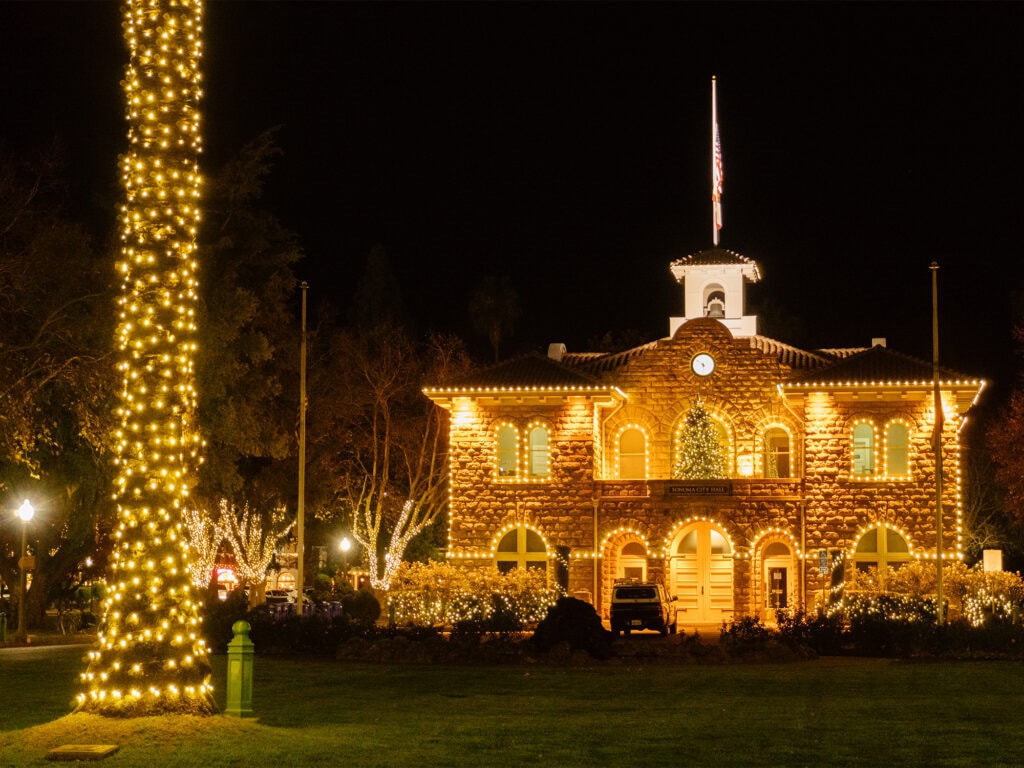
574 462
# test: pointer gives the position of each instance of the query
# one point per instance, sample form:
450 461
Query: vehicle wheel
626 631
674 628
664 630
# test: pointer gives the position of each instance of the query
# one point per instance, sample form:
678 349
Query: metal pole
22 633
937 442
301 544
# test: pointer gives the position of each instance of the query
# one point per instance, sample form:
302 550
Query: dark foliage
361 607
821 634
576 623
894 627
219 615
314 634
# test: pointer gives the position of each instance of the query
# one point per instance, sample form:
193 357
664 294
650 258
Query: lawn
322 713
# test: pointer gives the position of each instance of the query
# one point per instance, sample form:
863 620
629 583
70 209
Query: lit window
507 451
632 454
521 548
880 550
776 453
864 449
538 463
896 449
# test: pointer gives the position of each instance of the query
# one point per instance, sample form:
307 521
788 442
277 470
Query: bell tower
714 285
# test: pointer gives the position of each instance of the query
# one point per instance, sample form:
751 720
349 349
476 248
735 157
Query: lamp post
25 512
345 545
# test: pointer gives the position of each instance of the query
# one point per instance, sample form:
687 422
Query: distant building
575 462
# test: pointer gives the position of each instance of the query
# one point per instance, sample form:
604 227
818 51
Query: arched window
883 549
507 451
521 548
776 453
864 449
538 465
896 449
632 454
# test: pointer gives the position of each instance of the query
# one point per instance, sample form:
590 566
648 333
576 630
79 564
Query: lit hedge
442 595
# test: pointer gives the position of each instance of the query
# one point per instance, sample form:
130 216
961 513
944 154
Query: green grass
321 713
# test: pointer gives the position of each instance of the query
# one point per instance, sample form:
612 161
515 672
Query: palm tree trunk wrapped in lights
151 658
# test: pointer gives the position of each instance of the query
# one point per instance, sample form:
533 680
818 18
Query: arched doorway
700 565
632 562
777 581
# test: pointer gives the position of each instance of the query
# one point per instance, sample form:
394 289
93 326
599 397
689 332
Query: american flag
716 191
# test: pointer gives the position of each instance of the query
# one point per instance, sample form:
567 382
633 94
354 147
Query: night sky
566 146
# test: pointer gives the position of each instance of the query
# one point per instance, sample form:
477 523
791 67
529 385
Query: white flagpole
716 179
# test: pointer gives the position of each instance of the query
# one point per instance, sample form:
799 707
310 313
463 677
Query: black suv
642 605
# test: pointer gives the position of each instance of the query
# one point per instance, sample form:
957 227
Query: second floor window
896 462
538 465
776 453
632 454
864 449
508 445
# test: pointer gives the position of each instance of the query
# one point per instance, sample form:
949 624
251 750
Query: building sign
700 489
822 561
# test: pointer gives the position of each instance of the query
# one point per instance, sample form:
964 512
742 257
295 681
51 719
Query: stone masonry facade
729 537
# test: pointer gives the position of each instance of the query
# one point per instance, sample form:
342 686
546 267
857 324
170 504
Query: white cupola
714 283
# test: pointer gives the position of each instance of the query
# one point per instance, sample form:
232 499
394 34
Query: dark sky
567 147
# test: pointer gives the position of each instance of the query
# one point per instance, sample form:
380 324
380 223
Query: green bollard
240 662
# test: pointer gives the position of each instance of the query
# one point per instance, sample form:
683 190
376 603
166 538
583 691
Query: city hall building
576 462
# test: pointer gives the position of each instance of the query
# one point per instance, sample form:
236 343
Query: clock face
703 364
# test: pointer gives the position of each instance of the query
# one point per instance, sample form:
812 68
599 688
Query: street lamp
345 545
25 512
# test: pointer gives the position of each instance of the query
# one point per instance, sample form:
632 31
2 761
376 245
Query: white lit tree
204 536
700 455
390 463
253 541
151 658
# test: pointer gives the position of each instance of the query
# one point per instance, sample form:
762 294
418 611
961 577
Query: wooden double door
701 575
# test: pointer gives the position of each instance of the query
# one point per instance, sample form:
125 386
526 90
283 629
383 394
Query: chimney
555 351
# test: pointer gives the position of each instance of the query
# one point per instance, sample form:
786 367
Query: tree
984 522
247 366
205 535
378 298
1005 440
150 657
389 457
55 382
494 309
700 456
252 539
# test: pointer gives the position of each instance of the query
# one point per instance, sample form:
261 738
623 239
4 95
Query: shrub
361 607
220 615
576 623
439 594
314 633
745 637
822 633
891 625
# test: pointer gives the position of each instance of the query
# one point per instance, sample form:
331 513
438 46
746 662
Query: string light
151 658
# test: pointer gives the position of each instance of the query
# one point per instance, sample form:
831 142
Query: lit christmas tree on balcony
151 657
699 452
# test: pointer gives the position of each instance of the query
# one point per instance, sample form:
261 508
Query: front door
778 588
701 575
